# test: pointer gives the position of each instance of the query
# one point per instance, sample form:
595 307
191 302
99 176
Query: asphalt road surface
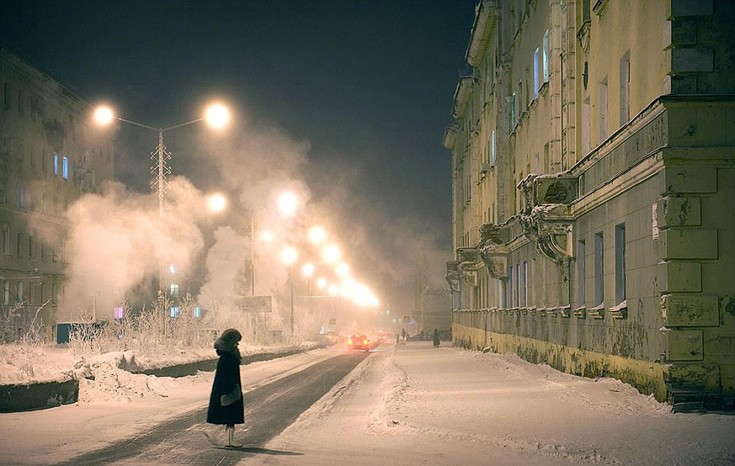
269 409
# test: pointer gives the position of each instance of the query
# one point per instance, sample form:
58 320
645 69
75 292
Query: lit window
536 73
56 164
174 289
118 312
198 312
174 311
65 168
545 56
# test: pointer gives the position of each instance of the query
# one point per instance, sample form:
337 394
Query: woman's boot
231 442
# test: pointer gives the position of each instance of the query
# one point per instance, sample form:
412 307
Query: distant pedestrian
225 402
436 338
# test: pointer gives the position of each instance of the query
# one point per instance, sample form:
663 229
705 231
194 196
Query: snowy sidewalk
414 404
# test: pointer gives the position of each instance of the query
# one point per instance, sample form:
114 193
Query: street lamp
289 255
217 203
216 115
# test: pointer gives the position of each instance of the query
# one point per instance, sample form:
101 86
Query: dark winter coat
226 377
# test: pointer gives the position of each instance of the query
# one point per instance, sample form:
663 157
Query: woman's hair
231 335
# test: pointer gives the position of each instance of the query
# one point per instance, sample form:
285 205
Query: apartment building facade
592 153
50 155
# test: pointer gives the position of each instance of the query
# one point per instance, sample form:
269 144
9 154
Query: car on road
358 341
384 336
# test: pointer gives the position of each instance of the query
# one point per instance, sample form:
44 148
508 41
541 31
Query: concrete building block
688 244
679 212
705 376
689 179
685 345
691 8
692 60
684 84
679 310
683 31
677 276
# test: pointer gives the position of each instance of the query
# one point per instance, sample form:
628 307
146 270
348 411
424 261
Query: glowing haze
342 247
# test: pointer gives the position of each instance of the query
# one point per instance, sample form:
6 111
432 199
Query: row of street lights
216 115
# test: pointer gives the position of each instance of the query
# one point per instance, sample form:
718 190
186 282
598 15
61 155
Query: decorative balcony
493 249
546 219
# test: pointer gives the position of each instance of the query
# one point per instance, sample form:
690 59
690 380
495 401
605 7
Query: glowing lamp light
317 234
342 270
217 116
216 202
287 204
267 236
103 115
321 283
289 255
308 269
331 254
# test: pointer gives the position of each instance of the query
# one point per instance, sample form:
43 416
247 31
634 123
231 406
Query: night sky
367 86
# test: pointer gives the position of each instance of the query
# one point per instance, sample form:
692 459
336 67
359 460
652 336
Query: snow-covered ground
407 404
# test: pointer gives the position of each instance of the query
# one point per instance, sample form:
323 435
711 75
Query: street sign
255 303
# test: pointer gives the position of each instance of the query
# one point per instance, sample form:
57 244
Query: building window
20 292
512 110
525 284
56 164
6 95
20 196
580 273
509 300
585 124
5 240
6 293
18 245
536 73
603 110
65 168
620 263
518 286
174 311
545 56
118 312
54 293
197 312
2 192
174 289
492 148
625 89
599 269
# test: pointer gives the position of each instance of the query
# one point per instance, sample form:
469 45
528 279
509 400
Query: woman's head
231 335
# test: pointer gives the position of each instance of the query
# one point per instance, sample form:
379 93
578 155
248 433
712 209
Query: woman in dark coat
225 402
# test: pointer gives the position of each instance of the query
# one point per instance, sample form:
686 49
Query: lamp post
216 115
217 203
289 255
